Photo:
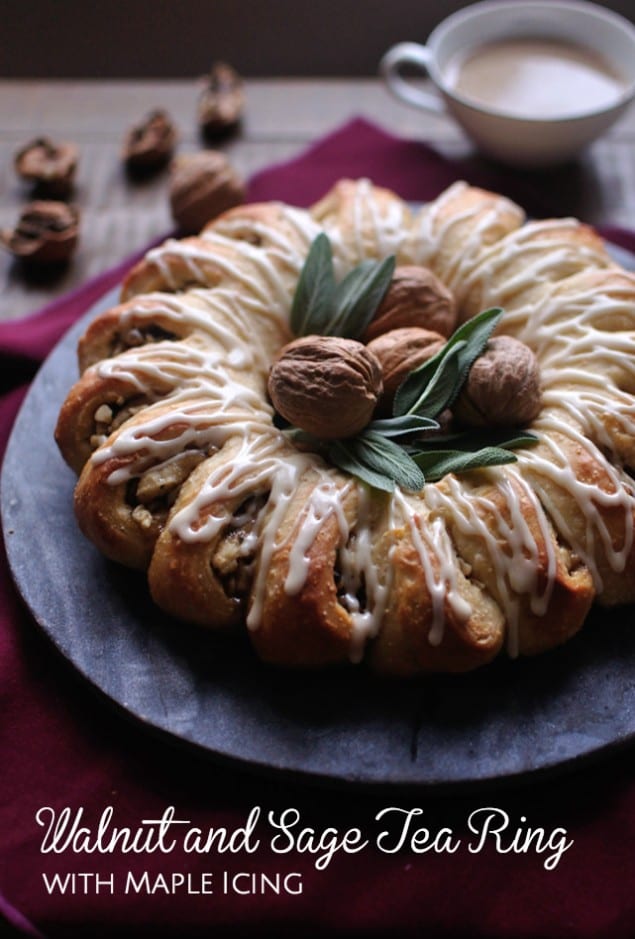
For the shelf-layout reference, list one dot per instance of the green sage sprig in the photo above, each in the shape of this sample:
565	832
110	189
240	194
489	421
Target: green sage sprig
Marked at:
322	307
436	384
407	449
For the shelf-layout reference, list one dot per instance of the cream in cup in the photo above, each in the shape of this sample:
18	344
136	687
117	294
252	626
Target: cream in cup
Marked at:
531	83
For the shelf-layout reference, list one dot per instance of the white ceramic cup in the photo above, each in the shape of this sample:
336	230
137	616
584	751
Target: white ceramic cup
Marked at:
516	140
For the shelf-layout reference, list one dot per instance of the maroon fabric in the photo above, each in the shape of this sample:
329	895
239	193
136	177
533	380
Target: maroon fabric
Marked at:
62	746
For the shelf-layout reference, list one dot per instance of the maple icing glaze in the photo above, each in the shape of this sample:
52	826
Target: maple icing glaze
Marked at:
207	391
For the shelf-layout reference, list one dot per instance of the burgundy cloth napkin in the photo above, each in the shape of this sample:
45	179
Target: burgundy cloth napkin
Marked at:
61	746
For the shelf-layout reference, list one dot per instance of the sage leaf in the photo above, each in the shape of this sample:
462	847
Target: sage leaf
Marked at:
462	348
387	458
304	438
476	439
438	463
340	454
438	387
476	333
404	425
357	297
312	304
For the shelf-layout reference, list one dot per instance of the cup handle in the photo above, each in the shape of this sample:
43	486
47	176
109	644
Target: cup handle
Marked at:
409	53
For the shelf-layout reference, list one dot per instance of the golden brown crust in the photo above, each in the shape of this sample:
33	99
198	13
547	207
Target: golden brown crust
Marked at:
521	266
453	233
129	325
595	512
539	567
522	569
309	626
261	224
403	645
179	265
105	516
367	221
184	578
81	426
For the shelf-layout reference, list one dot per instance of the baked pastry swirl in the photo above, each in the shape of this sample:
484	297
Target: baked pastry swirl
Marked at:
182	471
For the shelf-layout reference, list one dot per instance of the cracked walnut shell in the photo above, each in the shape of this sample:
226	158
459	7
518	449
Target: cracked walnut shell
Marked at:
149	145
46	233
222	101
49	166
326	385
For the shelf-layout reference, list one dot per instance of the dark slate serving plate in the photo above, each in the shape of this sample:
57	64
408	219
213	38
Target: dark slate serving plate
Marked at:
502	722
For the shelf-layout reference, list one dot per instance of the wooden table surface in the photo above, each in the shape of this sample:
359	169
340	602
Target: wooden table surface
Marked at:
120	217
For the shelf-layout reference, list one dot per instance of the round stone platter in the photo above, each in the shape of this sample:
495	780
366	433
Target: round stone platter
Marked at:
502	722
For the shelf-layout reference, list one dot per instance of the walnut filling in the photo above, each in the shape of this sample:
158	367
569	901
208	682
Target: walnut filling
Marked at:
250	237
139	336
192	283
233	559
109	416
153	494
350	583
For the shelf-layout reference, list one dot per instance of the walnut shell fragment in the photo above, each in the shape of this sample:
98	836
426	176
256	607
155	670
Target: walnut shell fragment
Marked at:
148	146
326	385
46	233
222	102
203	185
49	166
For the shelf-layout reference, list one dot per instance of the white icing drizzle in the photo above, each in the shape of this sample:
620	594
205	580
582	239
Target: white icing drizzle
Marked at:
507	540
438	560
204	413
242	267
586	403
523	263
366	226
592	499
261	464
325	500
452	239
198	312
288	243
364	584
215	398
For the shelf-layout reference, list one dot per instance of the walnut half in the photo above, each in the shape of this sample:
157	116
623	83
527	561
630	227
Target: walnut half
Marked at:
46	233
222	101
48	165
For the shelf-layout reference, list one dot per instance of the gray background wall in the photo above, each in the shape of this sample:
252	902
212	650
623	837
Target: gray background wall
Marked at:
180	38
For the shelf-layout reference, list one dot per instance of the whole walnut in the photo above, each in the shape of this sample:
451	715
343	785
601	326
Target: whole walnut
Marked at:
202	185
399	352
415	297
326	385
502	387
